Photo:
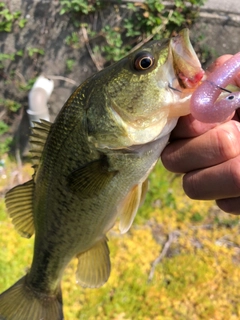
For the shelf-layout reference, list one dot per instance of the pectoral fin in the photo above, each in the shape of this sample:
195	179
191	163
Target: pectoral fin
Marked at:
129	207
19	205
90	179
94	266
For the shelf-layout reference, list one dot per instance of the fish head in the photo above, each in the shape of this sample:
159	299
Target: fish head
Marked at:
140	87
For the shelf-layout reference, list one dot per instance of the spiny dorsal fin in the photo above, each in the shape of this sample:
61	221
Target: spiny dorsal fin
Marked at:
20	208
94	266
38	138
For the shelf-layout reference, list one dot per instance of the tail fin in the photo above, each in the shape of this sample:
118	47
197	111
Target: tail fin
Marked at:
19	302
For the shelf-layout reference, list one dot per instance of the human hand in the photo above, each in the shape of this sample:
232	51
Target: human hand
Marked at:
209	156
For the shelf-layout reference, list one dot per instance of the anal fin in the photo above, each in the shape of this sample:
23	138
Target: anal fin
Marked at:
94	266
20	208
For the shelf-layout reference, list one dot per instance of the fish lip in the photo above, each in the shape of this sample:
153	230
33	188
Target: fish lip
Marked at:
187	66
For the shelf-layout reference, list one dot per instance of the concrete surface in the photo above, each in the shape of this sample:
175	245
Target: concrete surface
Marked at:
227	6
218	28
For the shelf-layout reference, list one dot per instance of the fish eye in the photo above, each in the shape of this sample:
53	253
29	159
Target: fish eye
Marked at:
230	97
143	61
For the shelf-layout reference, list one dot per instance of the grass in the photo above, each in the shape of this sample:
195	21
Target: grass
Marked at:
199	278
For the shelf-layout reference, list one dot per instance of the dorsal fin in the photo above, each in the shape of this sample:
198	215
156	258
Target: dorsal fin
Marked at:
38	138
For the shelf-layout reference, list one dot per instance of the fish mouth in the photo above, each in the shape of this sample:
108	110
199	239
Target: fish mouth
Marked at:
186	64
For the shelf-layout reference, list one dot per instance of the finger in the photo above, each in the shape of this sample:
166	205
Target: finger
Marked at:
237	115
231	205
214	147
218	62
188	127
218	182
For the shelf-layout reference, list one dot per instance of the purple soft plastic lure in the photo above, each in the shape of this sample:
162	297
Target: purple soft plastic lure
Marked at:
204	105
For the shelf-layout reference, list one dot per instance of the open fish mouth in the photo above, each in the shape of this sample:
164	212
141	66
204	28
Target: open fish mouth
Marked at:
186	64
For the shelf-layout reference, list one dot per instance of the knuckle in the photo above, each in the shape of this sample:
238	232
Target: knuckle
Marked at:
235	173
227	141
171	158
167	158
190	186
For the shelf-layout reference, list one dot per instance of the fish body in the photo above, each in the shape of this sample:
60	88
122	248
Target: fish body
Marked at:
91	167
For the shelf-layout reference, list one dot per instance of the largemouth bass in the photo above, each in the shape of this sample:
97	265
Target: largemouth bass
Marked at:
91	167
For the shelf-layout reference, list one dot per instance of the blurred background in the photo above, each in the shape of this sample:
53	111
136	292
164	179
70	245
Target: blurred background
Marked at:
181	258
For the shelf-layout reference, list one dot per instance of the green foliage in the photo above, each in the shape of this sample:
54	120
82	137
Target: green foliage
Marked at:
158	186
70	64
35	51
155	19
8	18
4	142
73	40
9	56
10	105
197	217
114	49
5	145
27	86
227	222
3	127
79	6
4	57
143	21
22	23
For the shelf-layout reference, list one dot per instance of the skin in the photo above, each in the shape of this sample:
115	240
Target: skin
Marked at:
209	156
